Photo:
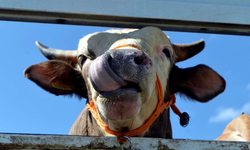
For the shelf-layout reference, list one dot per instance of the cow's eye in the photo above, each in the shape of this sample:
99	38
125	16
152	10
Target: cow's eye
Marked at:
81	59
168	54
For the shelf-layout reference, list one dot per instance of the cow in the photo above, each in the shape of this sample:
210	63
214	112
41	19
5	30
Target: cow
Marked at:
237	130
123	74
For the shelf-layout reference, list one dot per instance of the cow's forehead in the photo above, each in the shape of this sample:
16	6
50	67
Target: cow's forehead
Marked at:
97	43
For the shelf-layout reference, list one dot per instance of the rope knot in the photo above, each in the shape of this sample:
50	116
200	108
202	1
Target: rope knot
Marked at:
184	117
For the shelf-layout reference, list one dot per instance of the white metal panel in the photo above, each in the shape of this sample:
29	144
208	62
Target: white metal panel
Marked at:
28	141
213	16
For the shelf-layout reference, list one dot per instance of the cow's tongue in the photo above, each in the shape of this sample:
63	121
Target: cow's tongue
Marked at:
102	77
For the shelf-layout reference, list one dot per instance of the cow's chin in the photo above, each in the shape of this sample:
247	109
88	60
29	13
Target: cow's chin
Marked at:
119	105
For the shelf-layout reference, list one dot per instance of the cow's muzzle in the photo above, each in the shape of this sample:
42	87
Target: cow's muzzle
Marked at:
118	68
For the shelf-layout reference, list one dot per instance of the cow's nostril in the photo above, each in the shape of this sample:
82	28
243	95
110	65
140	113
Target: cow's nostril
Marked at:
140	59
112	63
109	59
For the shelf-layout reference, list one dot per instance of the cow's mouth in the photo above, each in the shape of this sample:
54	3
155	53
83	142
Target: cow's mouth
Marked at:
119	105
129	86
132	85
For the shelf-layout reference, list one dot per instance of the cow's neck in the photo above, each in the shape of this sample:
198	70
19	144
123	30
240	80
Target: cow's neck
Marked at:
161	128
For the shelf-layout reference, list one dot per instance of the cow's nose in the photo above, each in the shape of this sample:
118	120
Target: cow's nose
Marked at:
115	68
127	58
128	64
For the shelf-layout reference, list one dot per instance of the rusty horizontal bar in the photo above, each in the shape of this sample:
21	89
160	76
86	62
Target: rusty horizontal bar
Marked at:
29	141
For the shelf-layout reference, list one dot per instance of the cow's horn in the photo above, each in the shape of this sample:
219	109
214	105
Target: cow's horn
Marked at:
186	51
51	53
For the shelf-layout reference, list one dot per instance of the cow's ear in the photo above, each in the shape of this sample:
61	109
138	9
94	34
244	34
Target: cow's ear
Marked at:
57	77
200	82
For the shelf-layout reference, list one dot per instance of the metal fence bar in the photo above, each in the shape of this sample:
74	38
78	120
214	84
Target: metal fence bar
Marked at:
29	141
211	16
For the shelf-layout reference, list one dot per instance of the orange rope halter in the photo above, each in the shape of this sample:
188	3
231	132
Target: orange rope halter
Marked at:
133	46
161	106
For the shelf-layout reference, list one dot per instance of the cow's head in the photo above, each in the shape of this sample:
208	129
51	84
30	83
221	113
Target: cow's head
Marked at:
117	71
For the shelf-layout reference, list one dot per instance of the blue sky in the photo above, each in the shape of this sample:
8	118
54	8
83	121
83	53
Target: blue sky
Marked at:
26	108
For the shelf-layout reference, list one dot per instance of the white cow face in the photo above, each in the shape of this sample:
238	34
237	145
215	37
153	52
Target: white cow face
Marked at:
117	70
